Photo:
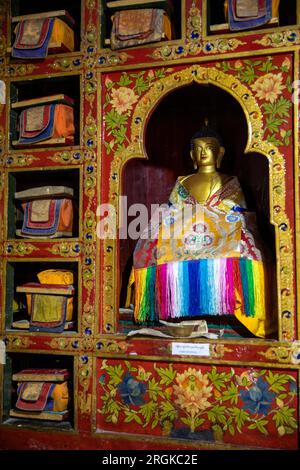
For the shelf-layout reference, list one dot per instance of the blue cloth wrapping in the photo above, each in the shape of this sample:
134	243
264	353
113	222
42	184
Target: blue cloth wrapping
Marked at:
51	230
46	133
34	52
235	25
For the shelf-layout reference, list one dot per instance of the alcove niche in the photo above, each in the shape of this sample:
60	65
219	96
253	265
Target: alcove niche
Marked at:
168	131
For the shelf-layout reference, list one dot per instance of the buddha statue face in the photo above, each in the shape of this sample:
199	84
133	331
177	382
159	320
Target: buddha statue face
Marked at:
206	151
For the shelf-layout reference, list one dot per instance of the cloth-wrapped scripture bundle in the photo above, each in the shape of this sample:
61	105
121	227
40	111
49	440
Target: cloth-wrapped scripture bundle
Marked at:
46	120
249	14
135	27
50	303
48	212
42	394
38	34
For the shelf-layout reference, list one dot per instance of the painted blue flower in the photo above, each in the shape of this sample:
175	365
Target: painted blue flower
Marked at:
258	399
132	391
293	386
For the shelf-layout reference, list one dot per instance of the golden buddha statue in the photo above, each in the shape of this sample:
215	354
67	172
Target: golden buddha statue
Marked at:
211	263
206	154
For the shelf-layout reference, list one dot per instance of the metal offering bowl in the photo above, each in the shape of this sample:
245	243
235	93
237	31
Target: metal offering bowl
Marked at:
182	329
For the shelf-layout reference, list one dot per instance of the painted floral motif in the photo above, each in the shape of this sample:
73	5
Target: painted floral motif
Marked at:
280	39
198	403
192	394
132	392
272	86
258	399
123	99
268	87
120	99
269	81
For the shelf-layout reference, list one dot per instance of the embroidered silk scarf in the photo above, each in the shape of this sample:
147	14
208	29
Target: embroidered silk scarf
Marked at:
200	259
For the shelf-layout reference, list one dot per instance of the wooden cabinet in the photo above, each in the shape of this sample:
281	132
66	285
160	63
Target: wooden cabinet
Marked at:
135	111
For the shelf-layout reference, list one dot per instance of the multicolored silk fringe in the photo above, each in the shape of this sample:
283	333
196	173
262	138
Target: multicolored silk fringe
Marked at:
200	287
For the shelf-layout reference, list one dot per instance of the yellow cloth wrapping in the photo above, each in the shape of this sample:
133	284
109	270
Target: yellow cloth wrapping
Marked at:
60	394
60	397
62	33
55	276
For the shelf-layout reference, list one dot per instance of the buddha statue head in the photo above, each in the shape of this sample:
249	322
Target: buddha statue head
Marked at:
206	148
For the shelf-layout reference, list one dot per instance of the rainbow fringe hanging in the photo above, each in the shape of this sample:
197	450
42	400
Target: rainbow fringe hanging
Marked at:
200	287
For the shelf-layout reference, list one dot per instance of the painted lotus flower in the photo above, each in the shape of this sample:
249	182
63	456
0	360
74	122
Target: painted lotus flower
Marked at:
193	391
258	399
123	99
268	87
132	392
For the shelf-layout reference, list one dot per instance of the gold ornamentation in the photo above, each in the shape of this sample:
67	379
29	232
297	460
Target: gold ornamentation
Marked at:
218	46
85	402
2	45
90	131
63	344
19	248
88	316
280	39
67	156
89	156
1	187
88	277
19	342
63	64
114	347
89	225
90	181
87	343
284	354
113	58
85	369
21	70
90	37
90	4
2	136
65	249
90	87
20	160
256	142
85	372
218	350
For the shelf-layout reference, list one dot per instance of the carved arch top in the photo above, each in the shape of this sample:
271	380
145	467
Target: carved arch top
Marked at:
255	143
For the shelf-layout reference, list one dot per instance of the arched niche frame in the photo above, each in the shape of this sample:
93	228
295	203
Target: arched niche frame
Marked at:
255	143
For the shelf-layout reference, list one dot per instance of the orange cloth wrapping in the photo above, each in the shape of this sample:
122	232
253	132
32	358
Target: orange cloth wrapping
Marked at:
41	123
40	210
